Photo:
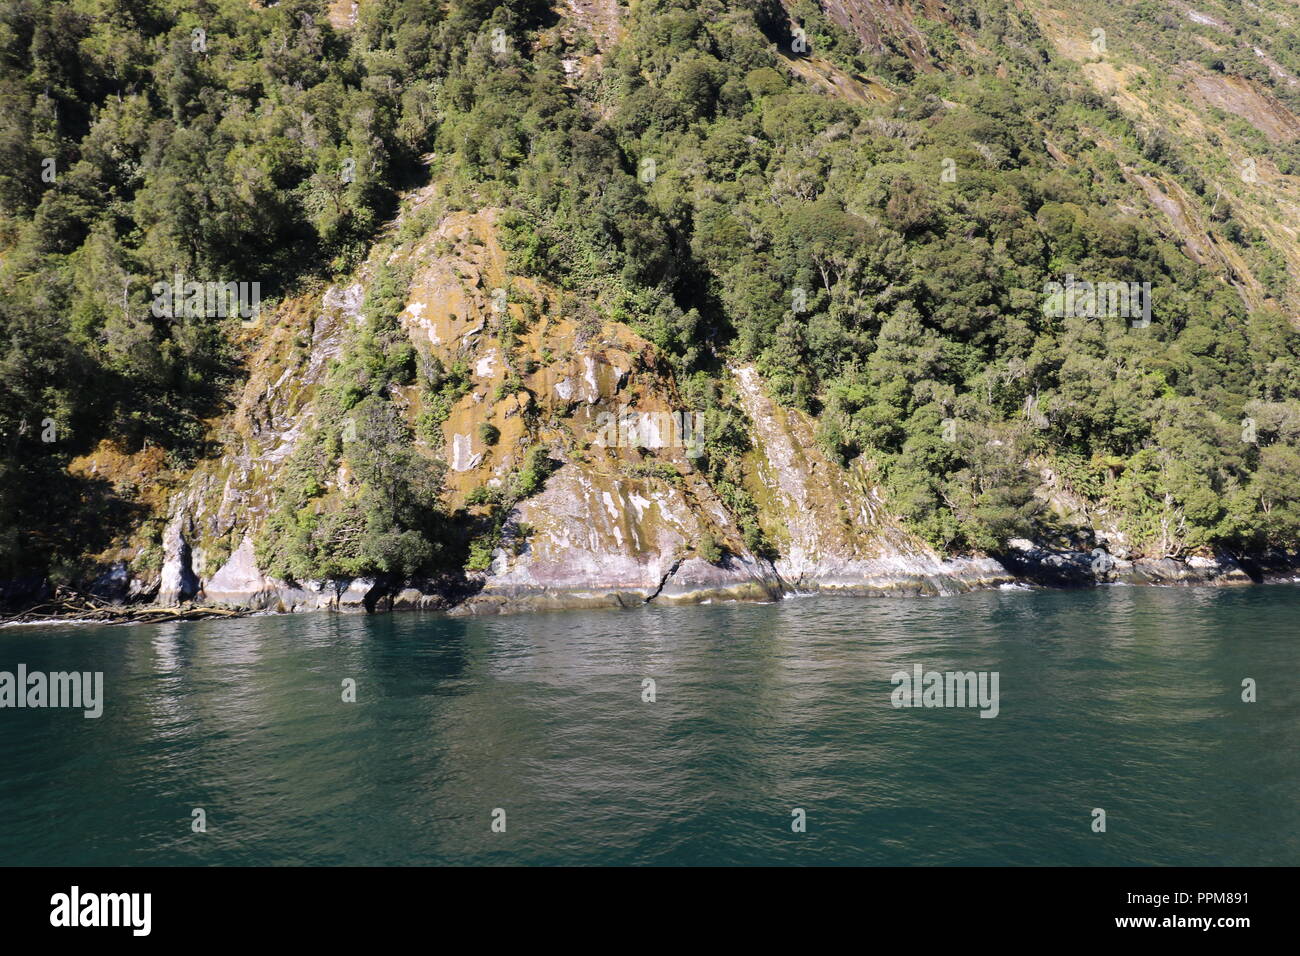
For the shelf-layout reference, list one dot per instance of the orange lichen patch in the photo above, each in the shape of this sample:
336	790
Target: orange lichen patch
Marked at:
278	348
132	474
536	374
140	480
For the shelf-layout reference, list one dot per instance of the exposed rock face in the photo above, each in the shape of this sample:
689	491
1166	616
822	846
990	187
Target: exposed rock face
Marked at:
240	582
1192	105
872	23
625	522
742	578
178	580
830	523
1240	97
604	540
594	548
625	517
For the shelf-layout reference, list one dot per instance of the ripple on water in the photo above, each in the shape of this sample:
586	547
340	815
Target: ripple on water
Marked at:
1126	699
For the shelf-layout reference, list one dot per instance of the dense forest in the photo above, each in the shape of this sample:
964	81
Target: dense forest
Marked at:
881	260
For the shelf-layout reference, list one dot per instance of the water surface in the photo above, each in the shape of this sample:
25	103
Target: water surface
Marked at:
1126	699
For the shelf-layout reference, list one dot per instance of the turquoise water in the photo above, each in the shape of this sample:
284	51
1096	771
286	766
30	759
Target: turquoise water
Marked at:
1125	699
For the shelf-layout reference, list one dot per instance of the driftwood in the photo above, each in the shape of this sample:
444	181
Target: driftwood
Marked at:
67	604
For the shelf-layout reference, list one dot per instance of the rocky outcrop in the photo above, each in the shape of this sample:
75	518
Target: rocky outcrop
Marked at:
239	582
625	517
829	522
885	27
1039	565
179	582
630	521
600	538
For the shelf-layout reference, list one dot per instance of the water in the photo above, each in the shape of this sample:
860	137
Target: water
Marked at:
1126	699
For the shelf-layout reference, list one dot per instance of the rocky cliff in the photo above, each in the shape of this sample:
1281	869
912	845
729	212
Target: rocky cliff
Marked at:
625	518
622	519
628	511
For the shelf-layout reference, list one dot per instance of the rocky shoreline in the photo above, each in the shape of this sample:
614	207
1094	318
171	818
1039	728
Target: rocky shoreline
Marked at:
239	589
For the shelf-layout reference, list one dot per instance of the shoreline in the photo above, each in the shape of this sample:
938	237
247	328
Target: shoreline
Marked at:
368	596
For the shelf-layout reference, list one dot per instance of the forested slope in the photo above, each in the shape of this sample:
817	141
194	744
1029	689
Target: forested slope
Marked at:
825	246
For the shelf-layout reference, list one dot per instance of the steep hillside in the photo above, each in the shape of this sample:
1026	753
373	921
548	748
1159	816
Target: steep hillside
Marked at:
588	304
624	517
1206	86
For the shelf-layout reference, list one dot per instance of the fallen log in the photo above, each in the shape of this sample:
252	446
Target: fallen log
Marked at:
68	604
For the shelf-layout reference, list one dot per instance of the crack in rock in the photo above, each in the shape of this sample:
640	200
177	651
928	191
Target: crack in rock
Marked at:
671	571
